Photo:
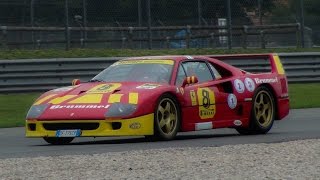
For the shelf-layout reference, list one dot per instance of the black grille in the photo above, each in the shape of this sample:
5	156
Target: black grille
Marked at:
62	126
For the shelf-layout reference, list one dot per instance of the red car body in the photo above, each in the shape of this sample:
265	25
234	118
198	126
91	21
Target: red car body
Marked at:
224	102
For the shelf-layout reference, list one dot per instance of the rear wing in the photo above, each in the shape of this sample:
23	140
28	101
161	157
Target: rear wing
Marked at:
253	63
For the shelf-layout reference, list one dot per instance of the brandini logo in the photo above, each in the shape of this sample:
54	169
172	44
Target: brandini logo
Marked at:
259	81
79	106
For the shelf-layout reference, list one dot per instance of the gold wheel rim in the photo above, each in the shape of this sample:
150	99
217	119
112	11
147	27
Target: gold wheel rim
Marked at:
263	108
167	116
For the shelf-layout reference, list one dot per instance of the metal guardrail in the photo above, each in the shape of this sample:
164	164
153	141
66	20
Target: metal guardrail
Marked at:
34	75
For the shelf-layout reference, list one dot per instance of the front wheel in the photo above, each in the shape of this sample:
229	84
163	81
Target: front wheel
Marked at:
58	140
262	113
166	118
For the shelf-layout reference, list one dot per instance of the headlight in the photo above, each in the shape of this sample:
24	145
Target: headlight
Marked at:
120	109
36	110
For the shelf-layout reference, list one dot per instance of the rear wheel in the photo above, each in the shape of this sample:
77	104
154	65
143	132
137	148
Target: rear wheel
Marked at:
262	113
58	140
166	118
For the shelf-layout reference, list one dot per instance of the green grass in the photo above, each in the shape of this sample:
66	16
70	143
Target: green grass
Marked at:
14	107
304	95
53	53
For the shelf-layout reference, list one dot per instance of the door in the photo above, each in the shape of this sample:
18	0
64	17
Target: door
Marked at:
206	102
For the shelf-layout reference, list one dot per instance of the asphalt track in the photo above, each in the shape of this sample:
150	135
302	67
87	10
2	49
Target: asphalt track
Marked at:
300	124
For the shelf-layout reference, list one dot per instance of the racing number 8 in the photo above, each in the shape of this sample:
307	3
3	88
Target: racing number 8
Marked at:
205	99
105	87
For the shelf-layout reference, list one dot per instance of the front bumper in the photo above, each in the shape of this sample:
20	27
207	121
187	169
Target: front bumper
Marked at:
142	125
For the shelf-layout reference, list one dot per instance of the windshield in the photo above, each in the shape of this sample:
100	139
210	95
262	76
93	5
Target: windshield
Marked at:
158	71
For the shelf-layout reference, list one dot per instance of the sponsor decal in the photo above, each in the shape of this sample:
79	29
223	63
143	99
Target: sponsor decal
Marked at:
204	125
182	90
193	98
207	107
189	57
271	80
104	88
64	88
177	90
232	101
237	122
148	86
79	106
135	125
249	83
247	99
238	85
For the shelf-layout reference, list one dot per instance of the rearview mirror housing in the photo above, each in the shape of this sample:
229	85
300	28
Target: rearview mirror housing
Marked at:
75	82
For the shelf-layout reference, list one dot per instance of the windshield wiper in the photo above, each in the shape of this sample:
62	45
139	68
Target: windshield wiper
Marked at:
95	80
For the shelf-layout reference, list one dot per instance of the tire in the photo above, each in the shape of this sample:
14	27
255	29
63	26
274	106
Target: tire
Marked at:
262	113
58	141
166	119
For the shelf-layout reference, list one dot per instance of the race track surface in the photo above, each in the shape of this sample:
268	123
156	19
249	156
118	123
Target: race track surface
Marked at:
300	124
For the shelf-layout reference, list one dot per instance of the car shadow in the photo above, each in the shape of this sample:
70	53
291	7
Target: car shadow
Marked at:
129	140
179	137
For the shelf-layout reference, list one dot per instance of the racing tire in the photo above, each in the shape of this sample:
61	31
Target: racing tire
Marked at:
58	140
166	119
262	113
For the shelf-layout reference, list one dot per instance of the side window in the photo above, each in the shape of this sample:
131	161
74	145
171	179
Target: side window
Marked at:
199	69
180	76
215	72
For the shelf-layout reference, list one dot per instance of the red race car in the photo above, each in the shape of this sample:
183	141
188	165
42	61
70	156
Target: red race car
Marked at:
159	96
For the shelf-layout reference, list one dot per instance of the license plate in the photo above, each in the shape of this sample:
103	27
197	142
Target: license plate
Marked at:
68	133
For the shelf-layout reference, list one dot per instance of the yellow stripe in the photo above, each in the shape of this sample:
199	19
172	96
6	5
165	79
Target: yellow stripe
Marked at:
87	98
133	98
44	99
59	100
279	66
113	98
169	62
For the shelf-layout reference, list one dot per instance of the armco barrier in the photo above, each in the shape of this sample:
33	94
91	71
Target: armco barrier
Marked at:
32	75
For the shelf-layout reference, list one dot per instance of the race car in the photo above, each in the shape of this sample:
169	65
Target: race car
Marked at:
158	96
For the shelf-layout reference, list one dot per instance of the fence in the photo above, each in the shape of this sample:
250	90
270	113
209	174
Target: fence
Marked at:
44	74
69	15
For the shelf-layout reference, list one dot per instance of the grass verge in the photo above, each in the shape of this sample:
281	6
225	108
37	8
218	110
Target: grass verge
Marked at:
80	53
14	107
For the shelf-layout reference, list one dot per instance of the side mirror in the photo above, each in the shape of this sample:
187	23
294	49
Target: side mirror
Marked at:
189	80
75	82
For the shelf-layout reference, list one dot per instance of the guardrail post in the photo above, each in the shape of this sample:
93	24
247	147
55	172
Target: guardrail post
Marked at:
4	37
244	37
123	42
298	35
212	41
168	42
38	44
130	37
81	43
262	39
188	36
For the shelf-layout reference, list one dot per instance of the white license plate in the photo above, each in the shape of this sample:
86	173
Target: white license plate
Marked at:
68	133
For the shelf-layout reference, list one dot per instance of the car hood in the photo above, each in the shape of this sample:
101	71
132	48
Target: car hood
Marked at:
91	101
